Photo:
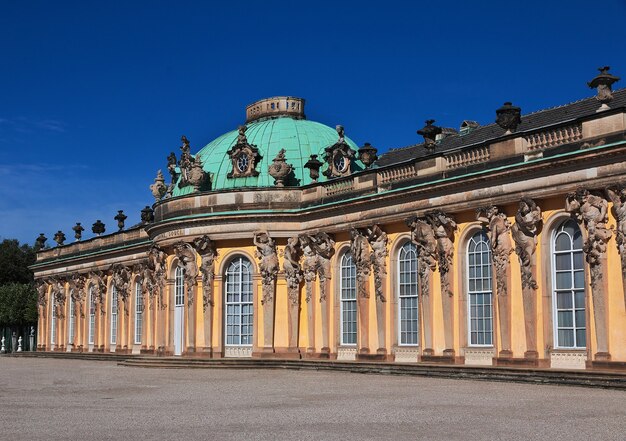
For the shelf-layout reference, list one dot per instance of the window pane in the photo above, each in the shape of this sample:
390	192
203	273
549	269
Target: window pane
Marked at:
564	280
563	261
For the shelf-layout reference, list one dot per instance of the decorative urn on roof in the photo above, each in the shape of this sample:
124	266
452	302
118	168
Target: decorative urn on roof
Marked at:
509	117
40	242
59	237
279	169
78	231
120	218
147	215
603	83
368	154
98	227
430	132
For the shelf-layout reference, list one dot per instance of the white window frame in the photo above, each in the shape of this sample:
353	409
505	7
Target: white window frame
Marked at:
92	316
347	296
179	287
113	339
470	293
407	249
139	307
72	324
238	267
53	322
555	310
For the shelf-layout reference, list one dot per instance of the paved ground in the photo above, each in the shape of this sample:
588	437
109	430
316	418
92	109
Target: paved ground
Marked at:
48	399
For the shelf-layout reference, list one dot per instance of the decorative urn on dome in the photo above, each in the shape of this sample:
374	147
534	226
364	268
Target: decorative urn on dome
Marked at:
158	188
314	165
279	169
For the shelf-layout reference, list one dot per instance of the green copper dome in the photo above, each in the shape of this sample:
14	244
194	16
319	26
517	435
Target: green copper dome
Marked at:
299	137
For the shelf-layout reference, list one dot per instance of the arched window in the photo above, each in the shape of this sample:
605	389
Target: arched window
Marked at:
347	303
407	295
479	290
92	315
138	313
568	284
113	315
238	303
53	322
72	323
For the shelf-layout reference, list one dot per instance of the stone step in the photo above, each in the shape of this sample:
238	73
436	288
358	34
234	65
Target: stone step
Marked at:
524	375
595	378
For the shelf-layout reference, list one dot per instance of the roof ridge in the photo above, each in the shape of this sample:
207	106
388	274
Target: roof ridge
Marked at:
481	126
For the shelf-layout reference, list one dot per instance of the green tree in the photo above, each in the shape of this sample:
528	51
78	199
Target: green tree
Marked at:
18	304
14	262
18	297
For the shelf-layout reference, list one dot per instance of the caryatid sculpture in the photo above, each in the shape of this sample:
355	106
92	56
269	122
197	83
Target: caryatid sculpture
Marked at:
77	291
58	292
268	265
498	228
98	280
444	228
293	276
157	259
207	250
41	285
156	266
187	261
617	195
318	249
591	210
120	279
360	250
426	247
525	231
378	241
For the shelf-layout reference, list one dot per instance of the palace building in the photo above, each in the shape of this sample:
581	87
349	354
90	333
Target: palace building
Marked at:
497	244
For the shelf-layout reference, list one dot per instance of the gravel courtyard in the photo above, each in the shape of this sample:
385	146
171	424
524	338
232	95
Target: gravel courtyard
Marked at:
51	399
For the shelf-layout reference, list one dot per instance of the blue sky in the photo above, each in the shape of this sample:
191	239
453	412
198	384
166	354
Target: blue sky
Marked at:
94	95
